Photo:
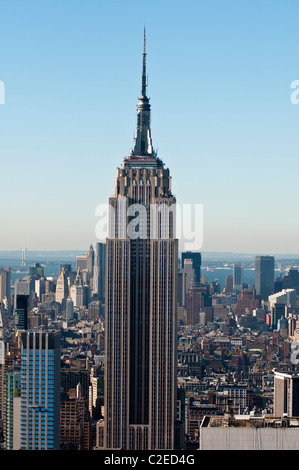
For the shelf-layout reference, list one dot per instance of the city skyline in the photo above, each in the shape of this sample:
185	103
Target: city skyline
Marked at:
220	86
154	328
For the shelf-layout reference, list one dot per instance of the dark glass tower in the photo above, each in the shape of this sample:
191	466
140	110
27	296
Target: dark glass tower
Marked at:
264	276
196	263
141	299
21	311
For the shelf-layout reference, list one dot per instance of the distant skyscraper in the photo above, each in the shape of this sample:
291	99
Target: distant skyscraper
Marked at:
291	280
99	271
81	262
13	409
188	270
69	273
141	302
40	390
76	291
21	311
238	277
40	287
24	286
90	260
69	308
5	279
195	257
229	284
62	288
264	276
67	268
182	289
278	311
37	270
199	301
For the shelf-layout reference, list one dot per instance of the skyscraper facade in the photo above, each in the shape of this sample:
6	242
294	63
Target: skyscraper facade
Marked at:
141	299
264	276
237	278
21	311
62	288
12	409
199	301
195	257
99	271
5	279
40	390
90	259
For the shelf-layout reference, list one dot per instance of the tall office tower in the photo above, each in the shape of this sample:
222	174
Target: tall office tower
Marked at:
229	284
291	280
69	309
13	409
76	291
68	271
189	273
278	311
81	262
90	260
286	394
99	271
199	301
24	286
278	284
182	289
5	294
8	355
40	390
141	299
237	277
195	257
67	268
62	288
40	287
264	276
21	311
36	270
96	391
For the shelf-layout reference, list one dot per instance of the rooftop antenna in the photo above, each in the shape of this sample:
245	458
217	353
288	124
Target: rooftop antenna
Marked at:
144	76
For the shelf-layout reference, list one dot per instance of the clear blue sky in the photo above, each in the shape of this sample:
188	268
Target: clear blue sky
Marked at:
222	120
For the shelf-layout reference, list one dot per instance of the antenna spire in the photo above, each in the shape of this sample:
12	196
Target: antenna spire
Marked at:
144	80
143	141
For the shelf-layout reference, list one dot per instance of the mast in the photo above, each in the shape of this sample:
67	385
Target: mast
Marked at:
143	142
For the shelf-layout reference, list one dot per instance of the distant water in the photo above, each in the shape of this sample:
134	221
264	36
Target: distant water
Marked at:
220	275
50	260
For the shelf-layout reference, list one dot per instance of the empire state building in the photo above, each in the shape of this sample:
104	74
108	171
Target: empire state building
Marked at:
141	298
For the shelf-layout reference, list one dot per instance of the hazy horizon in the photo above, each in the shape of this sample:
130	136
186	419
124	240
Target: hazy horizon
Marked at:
219	82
